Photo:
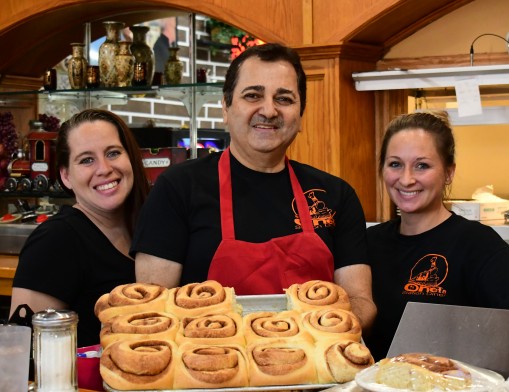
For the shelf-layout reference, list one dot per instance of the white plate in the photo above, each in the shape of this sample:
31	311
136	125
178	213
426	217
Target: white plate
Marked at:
483	380
14	218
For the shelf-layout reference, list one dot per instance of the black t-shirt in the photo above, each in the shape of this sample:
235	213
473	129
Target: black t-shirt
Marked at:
69	258
459	262
180	220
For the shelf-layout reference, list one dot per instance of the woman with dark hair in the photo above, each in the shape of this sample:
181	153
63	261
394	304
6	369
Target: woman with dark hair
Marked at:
73	258
428	254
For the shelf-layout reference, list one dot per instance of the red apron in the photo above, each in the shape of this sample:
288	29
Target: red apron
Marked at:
268	267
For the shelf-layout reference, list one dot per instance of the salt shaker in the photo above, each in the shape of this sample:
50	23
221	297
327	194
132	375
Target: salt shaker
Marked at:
55	348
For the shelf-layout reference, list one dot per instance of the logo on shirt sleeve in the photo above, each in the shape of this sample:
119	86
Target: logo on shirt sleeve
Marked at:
321	215
427	276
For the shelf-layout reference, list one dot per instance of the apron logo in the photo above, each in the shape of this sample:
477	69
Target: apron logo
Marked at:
321	216
427	275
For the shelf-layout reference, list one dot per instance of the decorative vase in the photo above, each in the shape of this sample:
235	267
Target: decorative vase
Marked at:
173	67
107	52
77	67
124	64
142	51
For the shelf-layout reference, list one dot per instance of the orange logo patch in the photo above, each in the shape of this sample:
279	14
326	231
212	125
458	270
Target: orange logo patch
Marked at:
320	214
427	275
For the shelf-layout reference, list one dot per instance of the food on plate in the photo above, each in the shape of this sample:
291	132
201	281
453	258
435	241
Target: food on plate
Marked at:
133	365
211	366
281	363
198	299
339	361
7	218
141	326
274	325
131	298
212	329
332	324
316	294
422	372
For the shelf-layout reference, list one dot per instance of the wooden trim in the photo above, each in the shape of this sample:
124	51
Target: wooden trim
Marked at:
388	104
460	60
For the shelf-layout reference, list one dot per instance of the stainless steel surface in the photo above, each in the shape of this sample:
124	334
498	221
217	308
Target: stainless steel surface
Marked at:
13	237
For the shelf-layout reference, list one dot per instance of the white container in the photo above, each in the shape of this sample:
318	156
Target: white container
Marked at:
478	210
14	357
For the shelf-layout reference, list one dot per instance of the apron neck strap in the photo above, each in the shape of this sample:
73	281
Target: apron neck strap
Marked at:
226	198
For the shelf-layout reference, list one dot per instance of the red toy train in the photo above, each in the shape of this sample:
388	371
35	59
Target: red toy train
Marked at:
38	173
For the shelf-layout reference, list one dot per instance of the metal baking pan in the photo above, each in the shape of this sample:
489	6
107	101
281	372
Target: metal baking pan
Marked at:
270	303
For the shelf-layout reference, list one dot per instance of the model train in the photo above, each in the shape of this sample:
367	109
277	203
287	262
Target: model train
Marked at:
38	172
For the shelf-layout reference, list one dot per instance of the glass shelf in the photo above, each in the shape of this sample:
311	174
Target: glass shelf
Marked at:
96	97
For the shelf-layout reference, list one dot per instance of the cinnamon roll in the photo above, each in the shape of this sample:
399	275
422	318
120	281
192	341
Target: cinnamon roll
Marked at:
316	294
340	361
139	364
198	299
274	325
332	324
131	298
422	372
141	326
211	366
212	329
281	363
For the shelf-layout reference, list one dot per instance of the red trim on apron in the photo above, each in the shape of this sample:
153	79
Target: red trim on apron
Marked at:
267	267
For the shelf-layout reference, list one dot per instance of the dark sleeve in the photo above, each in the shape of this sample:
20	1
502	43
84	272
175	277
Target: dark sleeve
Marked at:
47	264
488	269
350	245
162	228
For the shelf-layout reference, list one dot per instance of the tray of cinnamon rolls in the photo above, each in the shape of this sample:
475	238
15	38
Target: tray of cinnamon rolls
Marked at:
203	336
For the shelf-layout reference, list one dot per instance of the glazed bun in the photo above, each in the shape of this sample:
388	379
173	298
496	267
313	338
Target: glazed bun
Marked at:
198	299
339	361
280	362
139	364
211	329
422	372
131	298
211	366
336	324
316	294
143	325
265	326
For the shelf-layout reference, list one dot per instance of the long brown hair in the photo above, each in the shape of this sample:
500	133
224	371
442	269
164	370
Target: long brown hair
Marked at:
140	188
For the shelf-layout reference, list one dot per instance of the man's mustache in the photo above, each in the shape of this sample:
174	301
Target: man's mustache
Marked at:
261	120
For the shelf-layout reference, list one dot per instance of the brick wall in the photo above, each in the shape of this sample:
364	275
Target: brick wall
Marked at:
167	112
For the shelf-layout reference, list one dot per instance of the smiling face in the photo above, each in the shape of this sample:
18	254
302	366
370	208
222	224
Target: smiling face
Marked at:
413	172
264	116
99	172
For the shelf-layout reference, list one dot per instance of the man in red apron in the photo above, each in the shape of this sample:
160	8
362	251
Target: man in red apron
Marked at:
223	219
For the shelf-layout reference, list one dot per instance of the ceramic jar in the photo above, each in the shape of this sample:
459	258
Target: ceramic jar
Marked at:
142	52
173	67
107	52
124	64
77	67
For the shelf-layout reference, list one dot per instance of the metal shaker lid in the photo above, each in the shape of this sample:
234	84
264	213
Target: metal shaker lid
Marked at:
57	318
